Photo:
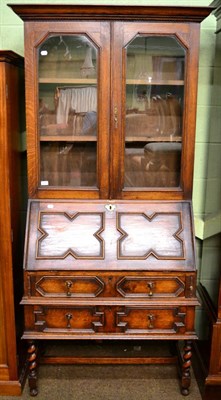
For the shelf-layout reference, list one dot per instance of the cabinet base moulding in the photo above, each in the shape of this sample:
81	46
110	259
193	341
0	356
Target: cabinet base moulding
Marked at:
10	388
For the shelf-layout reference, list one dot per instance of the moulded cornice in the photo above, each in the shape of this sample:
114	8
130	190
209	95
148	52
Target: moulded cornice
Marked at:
41	12
11	57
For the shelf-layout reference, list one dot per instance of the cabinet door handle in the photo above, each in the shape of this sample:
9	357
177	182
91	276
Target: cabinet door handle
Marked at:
150	286
151	319
68	285
69	317
115	117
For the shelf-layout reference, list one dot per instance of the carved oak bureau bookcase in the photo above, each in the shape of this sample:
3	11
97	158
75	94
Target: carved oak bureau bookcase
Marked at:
111	104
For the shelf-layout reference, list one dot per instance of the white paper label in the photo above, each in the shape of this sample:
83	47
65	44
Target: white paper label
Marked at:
44	183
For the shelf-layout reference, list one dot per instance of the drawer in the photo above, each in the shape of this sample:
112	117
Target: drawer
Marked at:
106	284
67	319
68	286
152	319
115	320
151	286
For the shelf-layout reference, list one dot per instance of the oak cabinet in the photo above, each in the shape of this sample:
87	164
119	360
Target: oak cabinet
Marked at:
11	106
111	104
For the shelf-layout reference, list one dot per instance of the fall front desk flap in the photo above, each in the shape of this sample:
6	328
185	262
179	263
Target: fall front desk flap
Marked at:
109	235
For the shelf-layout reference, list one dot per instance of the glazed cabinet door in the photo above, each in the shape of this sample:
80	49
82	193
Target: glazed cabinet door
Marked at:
153	109
111	109
68	89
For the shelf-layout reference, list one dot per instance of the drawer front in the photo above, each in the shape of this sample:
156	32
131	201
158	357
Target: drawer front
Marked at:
69	286
153	286
78	285
65	319
115	320
144	319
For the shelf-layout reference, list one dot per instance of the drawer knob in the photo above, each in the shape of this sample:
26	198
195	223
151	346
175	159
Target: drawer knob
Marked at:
150	286
151	319
69	317
68	285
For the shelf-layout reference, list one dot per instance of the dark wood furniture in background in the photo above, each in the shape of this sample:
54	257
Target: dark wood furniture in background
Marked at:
209	352
11	101
111	109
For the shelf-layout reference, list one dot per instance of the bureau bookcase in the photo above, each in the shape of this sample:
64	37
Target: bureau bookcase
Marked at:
111	104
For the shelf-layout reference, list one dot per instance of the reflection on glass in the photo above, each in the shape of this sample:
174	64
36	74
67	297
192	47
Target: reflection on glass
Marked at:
154	111
68	164
68	111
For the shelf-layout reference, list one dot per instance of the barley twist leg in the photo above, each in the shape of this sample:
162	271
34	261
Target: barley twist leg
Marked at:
32	375
186	378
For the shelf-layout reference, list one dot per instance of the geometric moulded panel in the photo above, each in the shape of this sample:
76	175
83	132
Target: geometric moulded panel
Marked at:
156	235
69	286
154	286
146	319
63	234
76	319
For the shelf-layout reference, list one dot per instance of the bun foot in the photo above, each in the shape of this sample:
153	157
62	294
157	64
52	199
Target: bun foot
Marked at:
185	391
33	392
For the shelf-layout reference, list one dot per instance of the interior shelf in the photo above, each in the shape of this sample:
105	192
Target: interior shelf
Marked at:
164	82
67	138
90	138
153	139
68	81
84	81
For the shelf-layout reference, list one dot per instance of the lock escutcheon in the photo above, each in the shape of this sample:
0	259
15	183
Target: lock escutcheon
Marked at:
69	317
110	207
150	319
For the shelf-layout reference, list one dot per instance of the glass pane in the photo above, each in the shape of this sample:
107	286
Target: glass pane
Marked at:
68	164
154	112
68	111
